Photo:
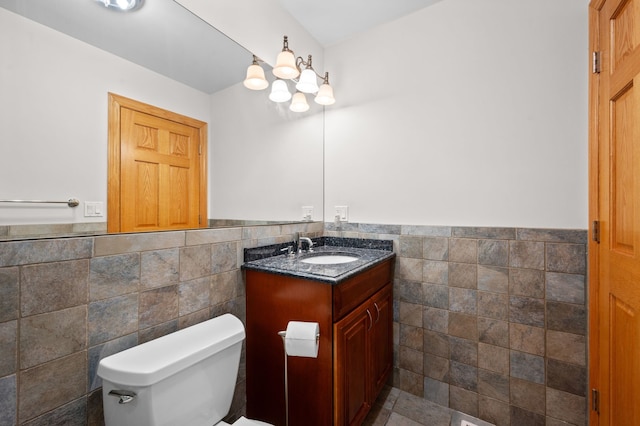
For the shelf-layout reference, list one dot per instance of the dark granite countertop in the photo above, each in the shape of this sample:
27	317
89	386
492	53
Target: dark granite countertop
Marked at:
292	265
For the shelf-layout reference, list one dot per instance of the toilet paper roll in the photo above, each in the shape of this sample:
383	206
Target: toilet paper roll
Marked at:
301	339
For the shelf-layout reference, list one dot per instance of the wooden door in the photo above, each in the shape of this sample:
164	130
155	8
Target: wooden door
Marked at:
157	172
615	203
351	367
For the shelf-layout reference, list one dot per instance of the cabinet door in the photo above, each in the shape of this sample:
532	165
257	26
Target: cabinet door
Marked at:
381	338
351	365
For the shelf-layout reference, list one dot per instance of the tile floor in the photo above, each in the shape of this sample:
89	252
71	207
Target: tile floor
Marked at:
397	408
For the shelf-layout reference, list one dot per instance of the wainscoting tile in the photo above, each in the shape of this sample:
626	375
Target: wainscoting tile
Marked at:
410	247
463	400
193	295
463	300
463	275
526	282
436	319
436	272
526	338
113	275
493	358
9	305
8	348
96	353
522	417
51	385
493	305
577	236
157	331
464	351
158	305
527	367
111	318
493	252
436	343
566	406
463	250
568	258
566	317
159	268
566	377
526	310
224	257
411	314
493	385
8	400
436	248
528	395
15	253
464	376
462	325
71	414
493	411
436	367
435	295
411	360
526	254
493	278
412	337
567	347
493	332
195	262
50	287
52	335
568	288
484	232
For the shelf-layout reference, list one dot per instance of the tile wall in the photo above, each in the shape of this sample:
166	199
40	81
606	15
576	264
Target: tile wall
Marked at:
65	303
490	321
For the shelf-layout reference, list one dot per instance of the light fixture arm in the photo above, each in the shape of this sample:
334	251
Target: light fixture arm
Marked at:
308	65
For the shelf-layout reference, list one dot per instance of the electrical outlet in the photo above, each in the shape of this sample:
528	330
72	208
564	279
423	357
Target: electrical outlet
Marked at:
467	423
307	213
342	213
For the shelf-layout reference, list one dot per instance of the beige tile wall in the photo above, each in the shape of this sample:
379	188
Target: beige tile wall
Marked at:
65	303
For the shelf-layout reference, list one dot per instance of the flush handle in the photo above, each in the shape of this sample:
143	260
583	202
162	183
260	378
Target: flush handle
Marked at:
124	395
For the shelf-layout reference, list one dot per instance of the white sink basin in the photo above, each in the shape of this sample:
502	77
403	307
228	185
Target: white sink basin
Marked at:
329	259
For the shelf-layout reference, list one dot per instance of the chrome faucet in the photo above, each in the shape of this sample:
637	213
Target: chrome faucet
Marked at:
306	240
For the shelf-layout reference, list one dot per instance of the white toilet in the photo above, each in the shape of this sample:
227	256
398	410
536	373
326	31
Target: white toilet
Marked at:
184	378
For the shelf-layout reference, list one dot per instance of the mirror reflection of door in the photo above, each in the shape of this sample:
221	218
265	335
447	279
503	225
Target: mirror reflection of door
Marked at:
157	169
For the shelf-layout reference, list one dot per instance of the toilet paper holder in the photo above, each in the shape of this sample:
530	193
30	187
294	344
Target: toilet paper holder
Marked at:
283	334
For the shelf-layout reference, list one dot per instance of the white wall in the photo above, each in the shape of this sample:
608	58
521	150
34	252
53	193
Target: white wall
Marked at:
468	113
267	160
53	117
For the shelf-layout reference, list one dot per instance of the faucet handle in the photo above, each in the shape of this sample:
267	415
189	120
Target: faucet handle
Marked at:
288	250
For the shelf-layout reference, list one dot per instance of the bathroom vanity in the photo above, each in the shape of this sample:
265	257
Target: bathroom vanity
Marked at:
353	304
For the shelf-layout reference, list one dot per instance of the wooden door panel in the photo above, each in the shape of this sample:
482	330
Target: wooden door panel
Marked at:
615	332
157	168
160	170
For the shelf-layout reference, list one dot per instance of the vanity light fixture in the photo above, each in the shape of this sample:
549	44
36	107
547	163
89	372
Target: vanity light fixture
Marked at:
122	5
288	67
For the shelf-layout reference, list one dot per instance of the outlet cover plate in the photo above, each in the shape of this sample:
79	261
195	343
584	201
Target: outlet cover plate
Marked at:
343	213
307	213
467	423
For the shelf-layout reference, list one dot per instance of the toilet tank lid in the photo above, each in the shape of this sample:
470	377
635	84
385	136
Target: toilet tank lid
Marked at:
150	362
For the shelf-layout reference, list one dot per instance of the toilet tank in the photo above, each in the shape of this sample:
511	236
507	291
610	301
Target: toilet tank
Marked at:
184	378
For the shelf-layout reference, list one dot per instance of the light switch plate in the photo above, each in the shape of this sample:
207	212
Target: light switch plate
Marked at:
93	209
467	423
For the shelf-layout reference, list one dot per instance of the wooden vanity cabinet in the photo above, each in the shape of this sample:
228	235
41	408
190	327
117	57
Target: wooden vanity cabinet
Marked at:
363	357
355	355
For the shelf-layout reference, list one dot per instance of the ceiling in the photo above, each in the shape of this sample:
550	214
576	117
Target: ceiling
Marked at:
168	39
333	21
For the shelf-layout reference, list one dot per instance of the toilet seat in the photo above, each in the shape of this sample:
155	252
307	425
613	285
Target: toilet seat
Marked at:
243	421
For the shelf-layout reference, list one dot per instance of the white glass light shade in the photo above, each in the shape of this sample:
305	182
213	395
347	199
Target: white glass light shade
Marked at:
325	95
307	82
255	78
123	5
279	91
286	66
299	103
